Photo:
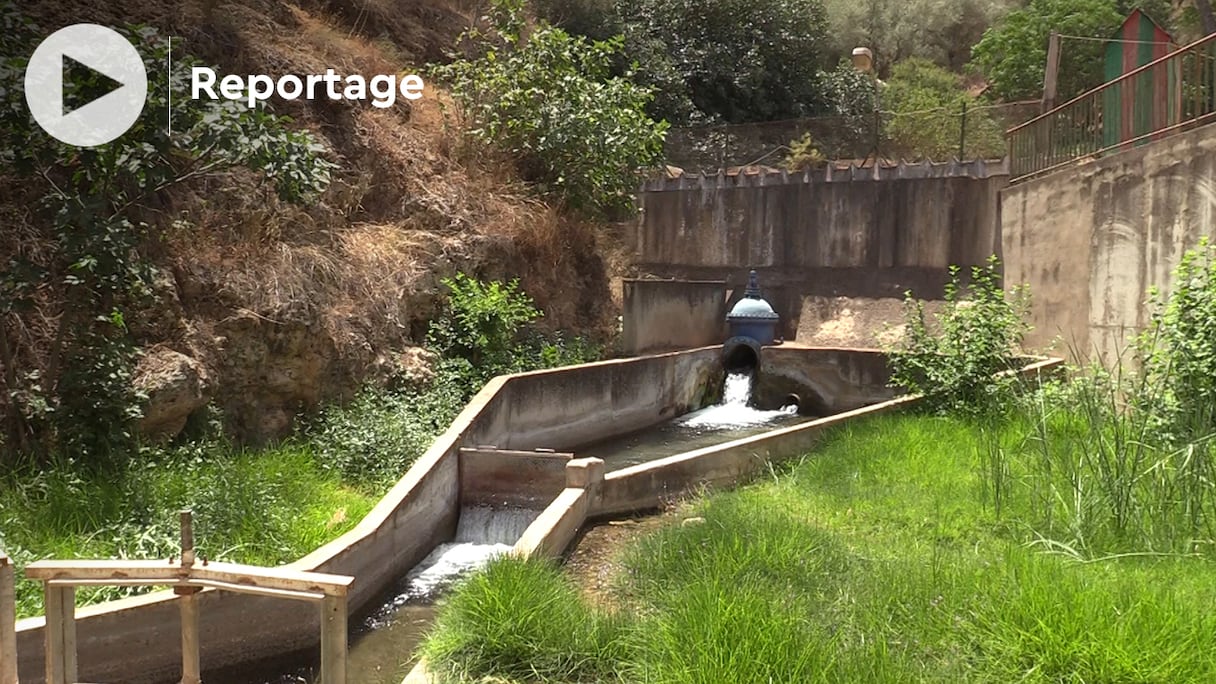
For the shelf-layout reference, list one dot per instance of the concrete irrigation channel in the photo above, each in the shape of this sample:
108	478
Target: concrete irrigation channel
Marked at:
509	474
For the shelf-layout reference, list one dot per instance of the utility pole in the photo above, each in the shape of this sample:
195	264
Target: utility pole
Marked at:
1207	20
1052	72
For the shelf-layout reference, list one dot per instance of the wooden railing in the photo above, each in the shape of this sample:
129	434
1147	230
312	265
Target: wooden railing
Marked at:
187	576
1168	95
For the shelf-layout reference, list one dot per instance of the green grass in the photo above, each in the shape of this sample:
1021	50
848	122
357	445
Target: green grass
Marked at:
265	508
879	558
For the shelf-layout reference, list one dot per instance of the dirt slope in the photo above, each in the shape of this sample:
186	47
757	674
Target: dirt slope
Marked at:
268	309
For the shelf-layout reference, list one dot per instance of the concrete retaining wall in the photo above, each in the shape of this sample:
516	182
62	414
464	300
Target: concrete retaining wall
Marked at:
1091	240
810	235
136	640
661	315
826	380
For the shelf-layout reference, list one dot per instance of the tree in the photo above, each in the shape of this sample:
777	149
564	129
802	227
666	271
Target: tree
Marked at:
549	99
925	104
939	30
733	60
1013	54
1207	19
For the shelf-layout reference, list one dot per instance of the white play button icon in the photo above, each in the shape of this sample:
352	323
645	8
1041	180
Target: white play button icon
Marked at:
104	51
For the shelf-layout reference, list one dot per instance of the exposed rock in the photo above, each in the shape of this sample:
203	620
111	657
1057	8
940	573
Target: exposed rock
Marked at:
175	384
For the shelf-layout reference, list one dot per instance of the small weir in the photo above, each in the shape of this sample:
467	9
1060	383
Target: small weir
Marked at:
733	418
383	643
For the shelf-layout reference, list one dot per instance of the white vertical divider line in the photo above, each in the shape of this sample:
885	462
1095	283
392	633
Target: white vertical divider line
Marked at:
169	84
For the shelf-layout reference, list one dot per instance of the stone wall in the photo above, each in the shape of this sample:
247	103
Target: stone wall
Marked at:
1091	239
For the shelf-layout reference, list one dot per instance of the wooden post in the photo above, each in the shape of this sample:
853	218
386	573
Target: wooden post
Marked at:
333	640
60	606
1052	72
8	622
191	662
188	601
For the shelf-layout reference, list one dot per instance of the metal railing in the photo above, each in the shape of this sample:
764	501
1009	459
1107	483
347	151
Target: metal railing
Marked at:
1168	95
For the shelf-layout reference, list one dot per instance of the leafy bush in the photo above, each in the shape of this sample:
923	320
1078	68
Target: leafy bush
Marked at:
549	99
956	367
371	441
1178	350
803	154
484	331
927	105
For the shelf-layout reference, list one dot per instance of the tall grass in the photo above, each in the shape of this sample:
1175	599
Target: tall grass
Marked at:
873	560
530	625
1093	473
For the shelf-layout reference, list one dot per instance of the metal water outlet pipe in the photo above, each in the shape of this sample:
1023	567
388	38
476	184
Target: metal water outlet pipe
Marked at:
753	324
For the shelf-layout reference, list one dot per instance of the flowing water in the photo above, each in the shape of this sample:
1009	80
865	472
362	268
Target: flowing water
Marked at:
731	419
383	643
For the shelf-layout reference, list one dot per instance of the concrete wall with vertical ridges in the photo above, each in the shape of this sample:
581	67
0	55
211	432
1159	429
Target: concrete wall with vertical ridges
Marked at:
861	233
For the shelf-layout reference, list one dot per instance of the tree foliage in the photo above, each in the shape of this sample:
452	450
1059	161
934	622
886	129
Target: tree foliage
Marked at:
1013	54
740	60
718	60
97	205
549	99
939	30
926	106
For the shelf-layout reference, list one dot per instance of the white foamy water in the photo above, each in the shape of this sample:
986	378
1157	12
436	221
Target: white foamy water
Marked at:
486	525
734	412
481	534
447	562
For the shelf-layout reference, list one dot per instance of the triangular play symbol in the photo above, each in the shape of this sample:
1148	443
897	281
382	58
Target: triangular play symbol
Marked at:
82	84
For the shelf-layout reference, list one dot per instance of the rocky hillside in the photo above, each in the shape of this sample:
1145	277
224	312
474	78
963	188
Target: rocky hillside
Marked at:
265	309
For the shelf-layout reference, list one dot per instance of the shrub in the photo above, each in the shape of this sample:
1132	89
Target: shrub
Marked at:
1178	350
803	154
547	98
956	367
485	331
927	105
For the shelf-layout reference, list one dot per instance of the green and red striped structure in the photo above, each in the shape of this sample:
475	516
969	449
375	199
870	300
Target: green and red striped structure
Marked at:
1148	101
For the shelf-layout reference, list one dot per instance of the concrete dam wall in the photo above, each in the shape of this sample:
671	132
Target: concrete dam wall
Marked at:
861	233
